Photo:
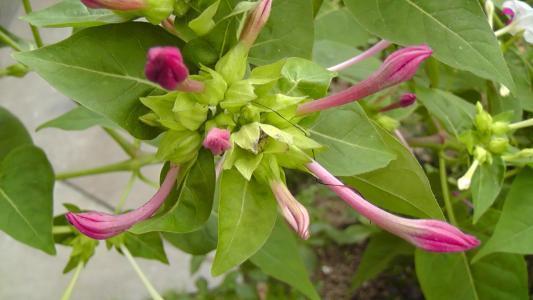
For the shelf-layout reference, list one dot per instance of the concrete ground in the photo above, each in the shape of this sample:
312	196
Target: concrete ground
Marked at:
29	274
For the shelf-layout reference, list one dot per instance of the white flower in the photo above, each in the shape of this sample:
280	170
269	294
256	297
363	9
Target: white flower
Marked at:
521	16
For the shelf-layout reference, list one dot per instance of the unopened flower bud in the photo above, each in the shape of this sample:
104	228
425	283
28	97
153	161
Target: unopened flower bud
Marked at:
100	226
483	119
500	128
255	22
165	66
504	91
498	145
294	213
405	100
121	5
388	123
217	141
399	67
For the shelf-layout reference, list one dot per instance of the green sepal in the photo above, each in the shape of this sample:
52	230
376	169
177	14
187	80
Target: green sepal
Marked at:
248	137
238	94
189	113
82	251
162	107
483	119
204	23
215	87
179	146
249	114
232	66
158	10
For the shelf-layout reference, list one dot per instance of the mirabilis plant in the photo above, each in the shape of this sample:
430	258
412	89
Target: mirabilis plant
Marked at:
237	110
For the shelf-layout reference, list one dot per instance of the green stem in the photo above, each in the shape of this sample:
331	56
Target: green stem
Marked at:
127	165
521	124
61	229
9	41
511	41
445	190
125	193
512	173
34	30
147	181
128	147
70	287
149	287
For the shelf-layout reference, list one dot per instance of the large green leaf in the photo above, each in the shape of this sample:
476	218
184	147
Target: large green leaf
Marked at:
280	258
148	245
402	186
353	145
12	133
72	13
199	242
456	114
246	215
457	31
381	250
288	32
26	197
449	276
102	68
520	69
193	203
514	230
79	118
486	185
327	25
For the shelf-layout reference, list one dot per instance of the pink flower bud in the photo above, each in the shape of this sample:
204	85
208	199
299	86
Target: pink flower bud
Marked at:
217	140
406	99
399	67
165	66
255	22
100	226
294	213
430	235
509	13
122	5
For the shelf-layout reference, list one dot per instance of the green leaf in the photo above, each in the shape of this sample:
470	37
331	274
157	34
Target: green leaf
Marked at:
26	197
148	245
456	30
301	77
402	186
456	114
486	185
280	258
520	69
288	33
327	26
72	13
247	213
199	242
13	133
449	276
204	22
381	250
513	232
353	144
79	118
191	206
82	250
102	68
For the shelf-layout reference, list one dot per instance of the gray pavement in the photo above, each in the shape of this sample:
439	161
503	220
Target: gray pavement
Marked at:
29	274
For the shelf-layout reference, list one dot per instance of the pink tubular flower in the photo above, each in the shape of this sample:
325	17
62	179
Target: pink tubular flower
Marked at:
406	99
122	5
293	212
100	226
255	22
399	67
165	66
378	47
430	235
217	140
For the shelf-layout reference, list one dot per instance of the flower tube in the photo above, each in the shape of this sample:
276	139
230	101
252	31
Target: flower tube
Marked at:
294	213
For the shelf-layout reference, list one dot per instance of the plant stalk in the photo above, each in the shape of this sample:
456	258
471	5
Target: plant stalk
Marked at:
127	165
35	32
149	287
72	283
445	190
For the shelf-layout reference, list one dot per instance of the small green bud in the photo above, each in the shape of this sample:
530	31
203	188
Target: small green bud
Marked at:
150	119
498	145
238	95
162	107
232	66
249	114
17	70
483	119
189	113
387	122
158	10
500	128
481	155
225	120
181	7
179	146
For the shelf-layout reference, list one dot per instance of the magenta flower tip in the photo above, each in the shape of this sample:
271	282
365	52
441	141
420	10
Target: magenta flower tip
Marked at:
509	13
293	211
165	66
217	140
402	65
256	21
407	99
123	5
439	236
